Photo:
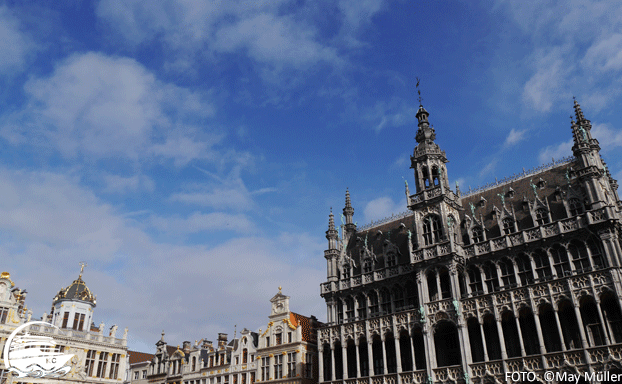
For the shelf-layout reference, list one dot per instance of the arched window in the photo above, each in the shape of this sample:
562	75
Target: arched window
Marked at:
362	308
339	305
507	273
560	260
385	301
597	257
508	226
345	270
478	234
580	258
412	299
435	177
398	298
490	274
431	229
575	206
444	280
543	264
426	177
349	309
525	272
542	216
373	303
367	266
475	280
447	344
391	260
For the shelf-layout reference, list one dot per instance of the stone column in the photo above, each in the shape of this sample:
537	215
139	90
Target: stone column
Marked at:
504	353
412	350
384	356
560	330
604	325
358	359
543	350
481	329
398	354
520	335
320	362
344	360
332	362
581	327
370	357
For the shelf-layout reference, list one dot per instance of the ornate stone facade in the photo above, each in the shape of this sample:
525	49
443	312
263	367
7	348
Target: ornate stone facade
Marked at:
522	275
99	357
284	353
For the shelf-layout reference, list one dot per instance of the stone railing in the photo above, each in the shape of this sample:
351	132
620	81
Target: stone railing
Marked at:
448	374
356	281
534	234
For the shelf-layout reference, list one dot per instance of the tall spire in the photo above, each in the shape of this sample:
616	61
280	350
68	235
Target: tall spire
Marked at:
332	234
577	111
348	212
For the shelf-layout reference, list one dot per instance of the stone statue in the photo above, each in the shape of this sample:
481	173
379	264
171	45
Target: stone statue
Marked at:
113	331
101	328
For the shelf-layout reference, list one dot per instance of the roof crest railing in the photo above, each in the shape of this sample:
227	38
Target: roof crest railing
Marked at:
518	176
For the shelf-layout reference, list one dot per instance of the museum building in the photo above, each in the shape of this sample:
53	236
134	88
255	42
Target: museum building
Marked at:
521	275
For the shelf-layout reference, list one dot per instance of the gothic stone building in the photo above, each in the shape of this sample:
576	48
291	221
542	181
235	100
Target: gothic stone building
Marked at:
523	275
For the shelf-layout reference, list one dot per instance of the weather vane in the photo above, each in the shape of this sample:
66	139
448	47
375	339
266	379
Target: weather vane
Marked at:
419	91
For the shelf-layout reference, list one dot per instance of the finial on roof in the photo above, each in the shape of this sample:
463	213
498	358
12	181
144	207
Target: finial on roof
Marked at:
162	336
419	92
279	289
82	265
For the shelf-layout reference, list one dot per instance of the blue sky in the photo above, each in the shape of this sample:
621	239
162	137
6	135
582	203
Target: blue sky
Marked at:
190	151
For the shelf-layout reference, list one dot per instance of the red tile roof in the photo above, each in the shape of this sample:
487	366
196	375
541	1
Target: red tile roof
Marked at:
139	357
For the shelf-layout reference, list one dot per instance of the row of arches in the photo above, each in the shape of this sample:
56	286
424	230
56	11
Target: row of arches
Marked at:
587	324
391	353
539	265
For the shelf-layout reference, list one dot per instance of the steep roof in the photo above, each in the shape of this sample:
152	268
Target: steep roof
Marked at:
139	357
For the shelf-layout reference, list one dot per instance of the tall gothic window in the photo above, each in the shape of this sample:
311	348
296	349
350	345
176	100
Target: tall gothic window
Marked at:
346	271
507	273
475	279
373	303
367	266
525	272
508	226
478	234
542	216
349	308
543	265
575	206
431	229
560	260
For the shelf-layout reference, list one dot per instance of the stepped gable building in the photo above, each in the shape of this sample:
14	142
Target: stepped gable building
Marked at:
285	353
523	275
99	357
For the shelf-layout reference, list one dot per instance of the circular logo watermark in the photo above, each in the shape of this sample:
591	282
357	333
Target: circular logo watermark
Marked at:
37	356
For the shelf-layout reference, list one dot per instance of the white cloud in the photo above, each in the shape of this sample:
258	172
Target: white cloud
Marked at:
381	208
120	184
395	113
545	86
15	46
514	137
274	39
204	222
563	34
488	168
108	107
606	54
608	137
555	152
49	222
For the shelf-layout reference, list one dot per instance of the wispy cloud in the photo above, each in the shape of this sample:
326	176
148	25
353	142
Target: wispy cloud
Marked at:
514	137
555	152
204	222
15	45
382	207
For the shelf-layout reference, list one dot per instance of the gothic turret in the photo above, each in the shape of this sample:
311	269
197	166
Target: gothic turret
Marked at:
348	212
428	160
332	253
589	166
